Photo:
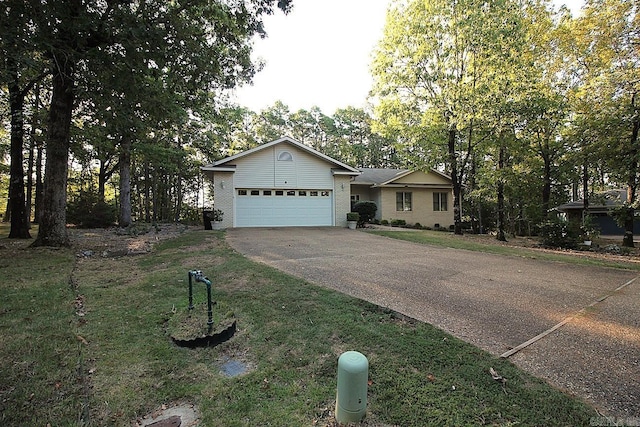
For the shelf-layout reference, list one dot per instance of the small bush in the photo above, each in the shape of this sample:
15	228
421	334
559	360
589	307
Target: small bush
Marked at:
367	211
559	233
384	222
87	211
398	222
353	216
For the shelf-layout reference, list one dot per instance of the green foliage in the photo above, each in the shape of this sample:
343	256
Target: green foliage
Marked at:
218	215
86	210
190	215
353	216
398	222
367	211
560	233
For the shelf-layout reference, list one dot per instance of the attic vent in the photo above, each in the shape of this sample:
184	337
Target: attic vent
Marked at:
285	156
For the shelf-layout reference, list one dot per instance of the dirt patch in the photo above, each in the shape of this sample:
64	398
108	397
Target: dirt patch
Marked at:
115	242
326	417
183	415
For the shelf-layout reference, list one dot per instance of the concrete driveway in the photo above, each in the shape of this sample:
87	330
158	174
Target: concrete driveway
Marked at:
494	302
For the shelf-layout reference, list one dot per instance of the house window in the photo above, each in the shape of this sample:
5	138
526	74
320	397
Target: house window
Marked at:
285	156
313	193
279	193
291	193
255	192
302	193
355	198
324	194
403	201
440	201
266	193
242	192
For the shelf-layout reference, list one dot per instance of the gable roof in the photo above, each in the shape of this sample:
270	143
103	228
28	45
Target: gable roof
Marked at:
378	176
602	201
223	164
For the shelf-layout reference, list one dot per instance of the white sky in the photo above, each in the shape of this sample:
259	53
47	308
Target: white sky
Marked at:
319	55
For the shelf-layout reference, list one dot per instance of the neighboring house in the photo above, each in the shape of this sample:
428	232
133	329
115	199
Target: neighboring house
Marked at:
280	184
413	196
600	207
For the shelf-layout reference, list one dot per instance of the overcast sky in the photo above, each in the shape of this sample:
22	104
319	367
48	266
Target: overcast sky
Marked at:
320	54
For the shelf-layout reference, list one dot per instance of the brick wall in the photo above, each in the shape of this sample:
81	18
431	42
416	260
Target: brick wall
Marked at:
223	196
342	199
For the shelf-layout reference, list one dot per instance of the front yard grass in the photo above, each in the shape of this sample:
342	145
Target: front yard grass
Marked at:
84	341
488	244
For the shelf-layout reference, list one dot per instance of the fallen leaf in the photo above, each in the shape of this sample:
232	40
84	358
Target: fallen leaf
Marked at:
82	340
431	378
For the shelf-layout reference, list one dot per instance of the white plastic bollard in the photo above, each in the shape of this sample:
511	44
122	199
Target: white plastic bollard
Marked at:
353	376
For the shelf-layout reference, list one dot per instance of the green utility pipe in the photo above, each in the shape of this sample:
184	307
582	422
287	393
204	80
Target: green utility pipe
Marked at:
353	377
199	277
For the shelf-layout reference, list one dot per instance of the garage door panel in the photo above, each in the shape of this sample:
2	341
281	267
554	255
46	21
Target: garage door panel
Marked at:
283	211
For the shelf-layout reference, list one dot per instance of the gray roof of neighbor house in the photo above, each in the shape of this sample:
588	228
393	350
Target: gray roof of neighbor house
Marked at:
375	176
379	176
601	201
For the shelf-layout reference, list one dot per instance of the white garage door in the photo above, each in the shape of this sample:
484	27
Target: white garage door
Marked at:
283	208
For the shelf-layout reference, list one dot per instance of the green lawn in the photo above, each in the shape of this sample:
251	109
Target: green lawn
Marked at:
472	243
85	341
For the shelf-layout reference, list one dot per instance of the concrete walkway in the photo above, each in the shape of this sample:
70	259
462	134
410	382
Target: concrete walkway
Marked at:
494	302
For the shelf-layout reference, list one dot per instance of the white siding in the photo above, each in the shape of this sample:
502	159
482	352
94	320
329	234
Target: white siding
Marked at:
313	172
262	170
255	171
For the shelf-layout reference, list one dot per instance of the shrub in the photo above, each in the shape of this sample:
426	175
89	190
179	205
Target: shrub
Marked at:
353	216
367	211
560	233
398	222
87	211
384	222
218	215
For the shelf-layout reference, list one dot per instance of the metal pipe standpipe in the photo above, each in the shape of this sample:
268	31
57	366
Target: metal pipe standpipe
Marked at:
353	376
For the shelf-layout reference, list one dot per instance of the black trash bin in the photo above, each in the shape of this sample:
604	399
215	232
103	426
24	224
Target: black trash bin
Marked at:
207	217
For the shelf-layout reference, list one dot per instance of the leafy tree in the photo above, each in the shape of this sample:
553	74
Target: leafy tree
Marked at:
605	39
272	123
20	69
439	69
198	46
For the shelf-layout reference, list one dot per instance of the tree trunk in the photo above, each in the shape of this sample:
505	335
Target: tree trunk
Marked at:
30	163
501	221
19	220
124	218
37	212
457	185
627	240
632	180
102	180
546	184
147	191
53	221
585	186
32	151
